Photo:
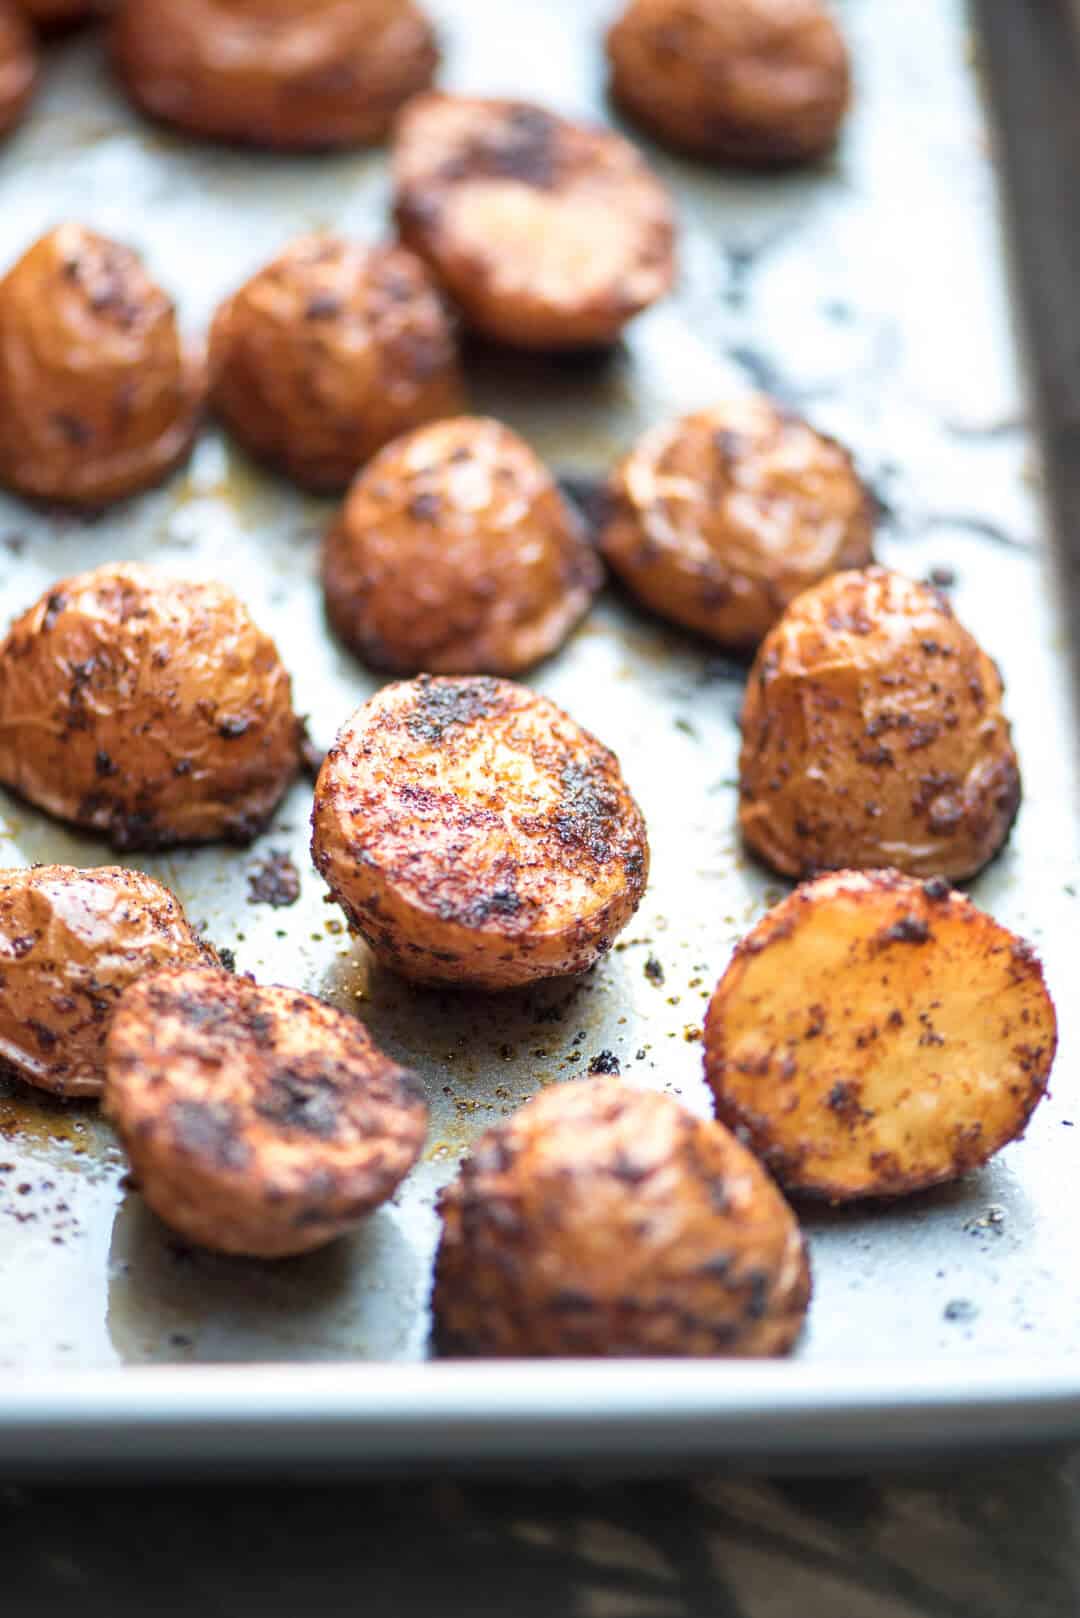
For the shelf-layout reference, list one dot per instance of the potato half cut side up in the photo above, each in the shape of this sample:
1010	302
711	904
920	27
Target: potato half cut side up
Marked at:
874	1035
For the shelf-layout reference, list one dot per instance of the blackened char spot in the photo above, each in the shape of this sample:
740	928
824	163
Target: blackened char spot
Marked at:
586	811
275	881
908	930
440	704
304	1097
210	1129
524	147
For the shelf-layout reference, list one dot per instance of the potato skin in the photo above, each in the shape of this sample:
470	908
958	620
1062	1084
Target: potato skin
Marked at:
147	708
258	1121
602	1220
547	234
71	942
718	520
455	553
288	74
873	735
18	67
475	835
98	397
874	1035
328	353
761	83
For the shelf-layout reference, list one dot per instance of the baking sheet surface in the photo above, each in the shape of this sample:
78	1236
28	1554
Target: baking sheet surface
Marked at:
871	296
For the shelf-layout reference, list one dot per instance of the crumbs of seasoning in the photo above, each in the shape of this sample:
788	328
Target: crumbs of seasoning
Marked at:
654	971
227	957
941	577
960	1309
605	1062
275	881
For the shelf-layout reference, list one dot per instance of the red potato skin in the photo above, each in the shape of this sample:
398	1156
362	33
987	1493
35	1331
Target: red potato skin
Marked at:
291	75
149	709
602	1220
123	416
71	941
874	735
18	68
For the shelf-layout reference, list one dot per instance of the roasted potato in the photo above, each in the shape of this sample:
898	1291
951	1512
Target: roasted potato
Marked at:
455	553
873	735
330	352
720	519
874	1035
292	74
762	83
70	943
605	1220
148	708
98	396
473	834
547	234
18	67
258	1121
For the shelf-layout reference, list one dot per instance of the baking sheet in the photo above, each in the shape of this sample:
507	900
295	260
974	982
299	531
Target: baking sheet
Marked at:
871	296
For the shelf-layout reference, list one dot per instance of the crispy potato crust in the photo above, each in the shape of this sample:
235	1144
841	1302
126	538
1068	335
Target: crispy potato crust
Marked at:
18	67
98	397
763	83
292	74
330	352
258	1121
456	553
601	1220
475	835
718	520
71	942
148	708
874	1035
873	735
548	234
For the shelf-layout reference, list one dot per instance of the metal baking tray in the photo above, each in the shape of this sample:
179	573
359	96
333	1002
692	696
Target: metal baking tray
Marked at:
870	295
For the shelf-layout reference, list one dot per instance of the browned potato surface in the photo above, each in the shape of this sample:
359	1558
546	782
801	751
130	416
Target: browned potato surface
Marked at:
456	553
875	1035
474	834
757	82
718	520
548	234
330	352
98	397
258	1121
148	708
71	942
602	1220
18	67
293	74
873	735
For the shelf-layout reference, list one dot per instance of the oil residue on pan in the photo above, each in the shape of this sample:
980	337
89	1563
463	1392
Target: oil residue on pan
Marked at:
818	286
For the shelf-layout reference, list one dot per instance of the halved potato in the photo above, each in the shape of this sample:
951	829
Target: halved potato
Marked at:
874	1035
258	1120
474	834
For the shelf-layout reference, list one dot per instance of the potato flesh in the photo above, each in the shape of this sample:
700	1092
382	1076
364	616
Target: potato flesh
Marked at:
869	1039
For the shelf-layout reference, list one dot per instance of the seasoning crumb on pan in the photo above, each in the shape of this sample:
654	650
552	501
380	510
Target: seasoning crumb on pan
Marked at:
99	397
474	834
602	1220
455	553
148	708
295	77
874	1035
70	942
873	735
720	519
274	881
547	234
329	352
259	1121
18	67
762	83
